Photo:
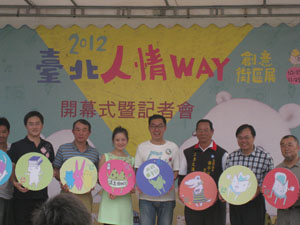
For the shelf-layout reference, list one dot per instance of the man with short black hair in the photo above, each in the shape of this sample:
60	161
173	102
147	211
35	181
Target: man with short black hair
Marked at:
260	162
79	147
6	189
290	148
25	201
160	207
206	156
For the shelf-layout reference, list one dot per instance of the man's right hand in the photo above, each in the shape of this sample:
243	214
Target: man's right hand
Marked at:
20	187
221	198
64	187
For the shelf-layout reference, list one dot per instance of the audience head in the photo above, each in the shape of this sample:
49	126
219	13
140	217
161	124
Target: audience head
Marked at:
63	209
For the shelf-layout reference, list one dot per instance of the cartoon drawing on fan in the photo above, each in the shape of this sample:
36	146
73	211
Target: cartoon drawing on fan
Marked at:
117	177
158	184
116	180
198	193
78	175
69	178
3	171
280	187
34	169
151	172
239	184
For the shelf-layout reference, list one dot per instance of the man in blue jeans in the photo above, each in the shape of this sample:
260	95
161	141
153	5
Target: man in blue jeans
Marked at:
157	148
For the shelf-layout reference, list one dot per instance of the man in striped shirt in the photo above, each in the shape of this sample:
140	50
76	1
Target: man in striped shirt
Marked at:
79	147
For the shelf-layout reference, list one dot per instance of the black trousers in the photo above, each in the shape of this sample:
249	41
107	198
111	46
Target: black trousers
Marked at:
251	213
6	212
23	209
214	215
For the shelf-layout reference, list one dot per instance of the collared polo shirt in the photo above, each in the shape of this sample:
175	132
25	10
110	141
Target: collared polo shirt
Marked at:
20	148
70	150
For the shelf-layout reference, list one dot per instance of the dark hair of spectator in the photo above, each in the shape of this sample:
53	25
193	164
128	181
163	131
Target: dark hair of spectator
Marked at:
63	209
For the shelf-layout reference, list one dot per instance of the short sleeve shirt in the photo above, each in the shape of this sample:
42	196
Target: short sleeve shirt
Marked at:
259	161
70	150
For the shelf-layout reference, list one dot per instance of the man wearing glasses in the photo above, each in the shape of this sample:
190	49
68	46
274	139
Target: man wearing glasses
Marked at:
260	162
157	148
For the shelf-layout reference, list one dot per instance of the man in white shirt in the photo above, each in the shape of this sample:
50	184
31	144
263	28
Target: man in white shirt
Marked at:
157	148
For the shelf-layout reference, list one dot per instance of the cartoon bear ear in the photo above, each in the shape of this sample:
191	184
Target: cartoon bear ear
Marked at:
290	113
223	96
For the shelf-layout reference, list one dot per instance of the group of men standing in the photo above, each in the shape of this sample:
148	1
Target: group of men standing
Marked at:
17	203
201	157
155	209
206	151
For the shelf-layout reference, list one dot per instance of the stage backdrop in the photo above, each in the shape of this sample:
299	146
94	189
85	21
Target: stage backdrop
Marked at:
230	75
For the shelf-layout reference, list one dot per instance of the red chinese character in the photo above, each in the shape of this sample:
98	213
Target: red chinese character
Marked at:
144	110
107	107
114	70
153	60
68	108
88	109
186	110
126	109
166	109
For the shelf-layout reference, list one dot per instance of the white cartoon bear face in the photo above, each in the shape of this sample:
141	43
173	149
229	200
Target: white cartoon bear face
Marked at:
240	183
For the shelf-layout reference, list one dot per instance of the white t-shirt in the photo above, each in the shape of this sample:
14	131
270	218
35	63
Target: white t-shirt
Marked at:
168	152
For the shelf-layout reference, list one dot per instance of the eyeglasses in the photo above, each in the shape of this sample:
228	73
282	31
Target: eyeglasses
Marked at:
244	138
152	127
